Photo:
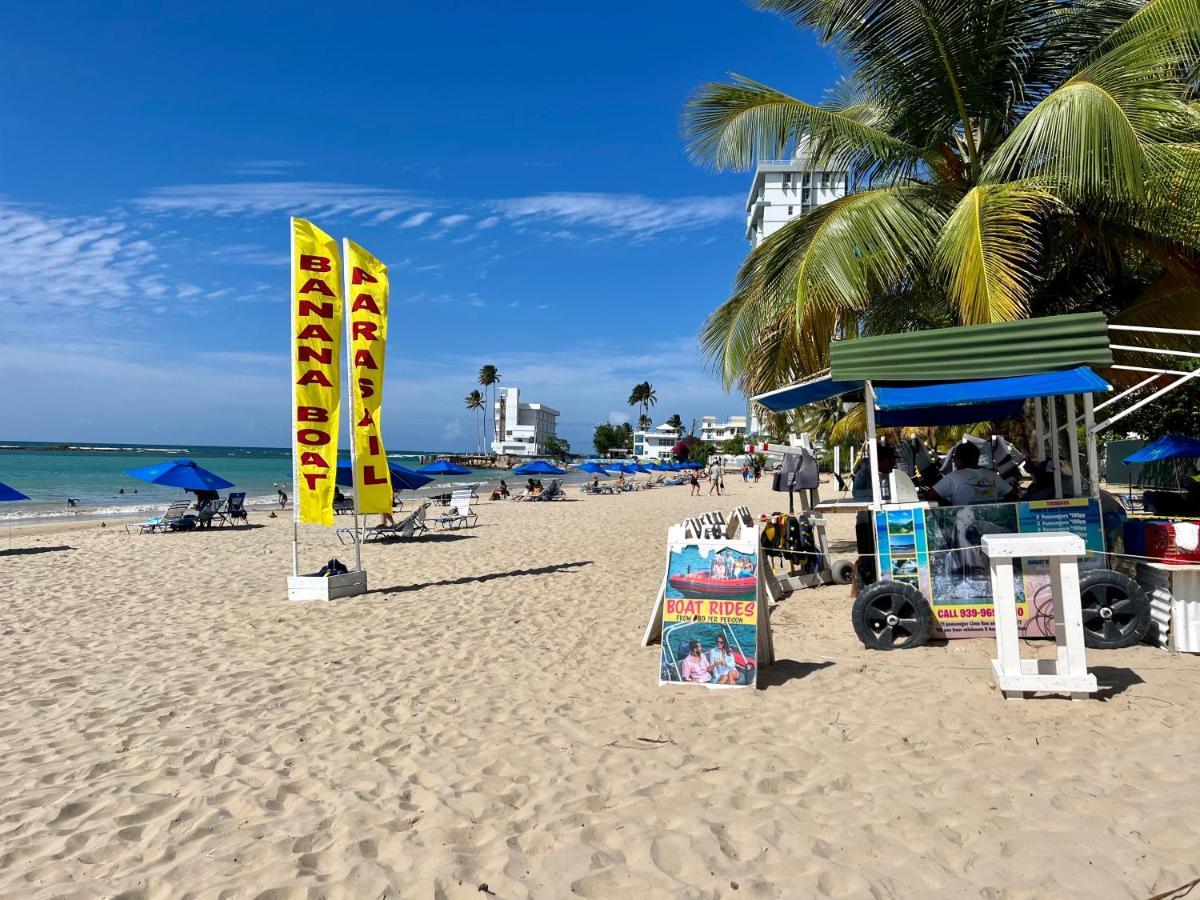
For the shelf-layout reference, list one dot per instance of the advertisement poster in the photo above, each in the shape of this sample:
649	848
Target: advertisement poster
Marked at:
960	579
903	547
710	616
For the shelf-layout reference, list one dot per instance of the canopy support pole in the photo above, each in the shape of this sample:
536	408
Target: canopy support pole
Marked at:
1089	435
872	446
1039	448
1145	400
1073	447
1125	393
1054	454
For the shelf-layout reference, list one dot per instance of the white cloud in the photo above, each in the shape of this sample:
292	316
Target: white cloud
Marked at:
264	168
304	198
419	218
617	418
455	219
90	261
625	214
489	222
251	255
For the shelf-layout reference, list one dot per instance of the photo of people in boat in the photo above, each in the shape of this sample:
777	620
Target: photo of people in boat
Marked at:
709	653
721	573
957	563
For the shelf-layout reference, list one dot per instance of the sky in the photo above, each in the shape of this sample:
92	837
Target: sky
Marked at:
518	165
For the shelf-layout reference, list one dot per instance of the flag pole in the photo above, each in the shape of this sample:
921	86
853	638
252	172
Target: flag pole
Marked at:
353	405
292	411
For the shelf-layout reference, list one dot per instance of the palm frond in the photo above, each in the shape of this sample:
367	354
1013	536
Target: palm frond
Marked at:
989	249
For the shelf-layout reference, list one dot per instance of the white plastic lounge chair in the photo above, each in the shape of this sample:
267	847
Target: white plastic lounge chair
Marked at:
410	526
460	512
175	514
553	492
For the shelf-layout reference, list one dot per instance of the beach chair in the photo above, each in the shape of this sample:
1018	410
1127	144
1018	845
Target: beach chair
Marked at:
410	526
210	511
461	514
553	492
176	513
234	510
343	507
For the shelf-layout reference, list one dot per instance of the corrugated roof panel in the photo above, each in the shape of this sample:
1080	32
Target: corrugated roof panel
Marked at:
975	351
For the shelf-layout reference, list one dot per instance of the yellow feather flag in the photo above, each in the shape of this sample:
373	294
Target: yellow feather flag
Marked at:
366	346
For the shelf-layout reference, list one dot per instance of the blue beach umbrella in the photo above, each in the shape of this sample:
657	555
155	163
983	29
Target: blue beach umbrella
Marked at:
645	469
443	467
7	493
538	467
402	479
1169	446
594	468
626	468
181	473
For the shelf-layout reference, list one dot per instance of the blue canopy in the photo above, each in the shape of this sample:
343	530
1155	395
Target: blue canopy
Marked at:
181	473
690	465
593	467
626	468
1020	387
1169	446
951	415
538	467
794	396
402	479
444	467
7	493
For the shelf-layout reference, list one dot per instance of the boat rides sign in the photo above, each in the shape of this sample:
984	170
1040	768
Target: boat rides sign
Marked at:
710	615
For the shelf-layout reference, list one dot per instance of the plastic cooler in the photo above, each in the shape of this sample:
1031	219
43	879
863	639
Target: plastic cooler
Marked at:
1159	539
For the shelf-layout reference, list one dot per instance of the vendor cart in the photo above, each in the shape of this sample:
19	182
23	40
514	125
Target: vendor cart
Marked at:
922	569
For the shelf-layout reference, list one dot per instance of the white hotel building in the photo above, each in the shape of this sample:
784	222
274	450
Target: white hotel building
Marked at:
718	432
786	188
655	444
522	428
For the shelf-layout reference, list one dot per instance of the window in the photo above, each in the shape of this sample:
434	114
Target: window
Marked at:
790	209
824	181
787	179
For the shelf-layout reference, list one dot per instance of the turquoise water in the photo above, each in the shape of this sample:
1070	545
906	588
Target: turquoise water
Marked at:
93	475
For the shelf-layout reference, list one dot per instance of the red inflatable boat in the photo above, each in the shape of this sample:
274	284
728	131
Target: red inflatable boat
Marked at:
702	585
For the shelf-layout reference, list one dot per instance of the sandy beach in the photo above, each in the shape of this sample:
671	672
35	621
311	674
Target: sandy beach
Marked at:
486	721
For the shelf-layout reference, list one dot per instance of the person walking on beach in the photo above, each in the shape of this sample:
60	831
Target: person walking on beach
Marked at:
282	496
714	477
757	472
695	483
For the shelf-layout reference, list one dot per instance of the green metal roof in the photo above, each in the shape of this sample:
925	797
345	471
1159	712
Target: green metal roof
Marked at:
970	352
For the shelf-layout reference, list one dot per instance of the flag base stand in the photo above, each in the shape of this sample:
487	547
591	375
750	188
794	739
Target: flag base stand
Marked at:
319	587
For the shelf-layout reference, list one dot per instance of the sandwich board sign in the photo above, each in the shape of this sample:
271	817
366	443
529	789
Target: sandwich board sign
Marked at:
711	611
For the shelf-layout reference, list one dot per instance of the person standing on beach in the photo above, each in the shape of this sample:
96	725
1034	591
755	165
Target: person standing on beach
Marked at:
695	483
714	477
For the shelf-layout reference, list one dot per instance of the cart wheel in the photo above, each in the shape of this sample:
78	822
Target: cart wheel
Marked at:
1116	612
891	615
842	571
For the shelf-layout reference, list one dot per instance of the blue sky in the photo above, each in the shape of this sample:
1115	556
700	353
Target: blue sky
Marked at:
518	165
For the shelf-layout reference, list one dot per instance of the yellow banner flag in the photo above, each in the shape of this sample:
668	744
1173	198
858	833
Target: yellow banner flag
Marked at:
366	343
316	365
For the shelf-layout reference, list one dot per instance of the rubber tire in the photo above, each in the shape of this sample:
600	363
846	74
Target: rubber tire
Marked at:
1131	611
842	571
882	597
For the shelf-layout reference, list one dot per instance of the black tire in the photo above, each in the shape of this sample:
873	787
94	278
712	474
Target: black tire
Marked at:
892	615
1116	611
842	571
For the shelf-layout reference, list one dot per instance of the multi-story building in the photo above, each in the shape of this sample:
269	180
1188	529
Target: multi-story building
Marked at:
522	428
655	444
718	432
786	188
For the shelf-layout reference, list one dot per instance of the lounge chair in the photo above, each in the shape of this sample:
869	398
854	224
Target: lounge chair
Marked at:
554	492
210	511
410	526
343	507
234	510
174	517
460	505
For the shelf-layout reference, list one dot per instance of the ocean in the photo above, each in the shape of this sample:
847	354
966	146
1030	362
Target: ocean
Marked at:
94	476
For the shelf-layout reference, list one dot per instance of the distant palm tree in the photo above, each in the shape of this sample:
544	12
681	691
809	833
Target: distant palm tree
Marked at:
676	422
489	377
475	401
643	395
644	422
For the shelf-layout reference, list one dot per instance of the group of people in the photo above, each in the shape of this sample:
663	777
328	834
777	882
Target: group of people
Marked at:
965	485
719	666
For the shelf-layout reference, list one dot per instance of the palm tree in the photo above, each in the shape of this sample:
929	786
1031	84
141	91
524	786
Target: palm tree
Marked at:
1012	158
643	396
489	377
676	422
475	401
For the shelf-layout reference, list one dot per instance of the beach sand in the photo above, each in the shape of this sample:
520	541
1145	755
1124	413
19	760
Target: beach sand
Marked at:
171	726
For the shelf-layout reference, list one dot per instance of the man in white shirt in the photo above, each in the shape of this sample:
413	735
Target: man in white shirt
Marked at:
969	485
714	476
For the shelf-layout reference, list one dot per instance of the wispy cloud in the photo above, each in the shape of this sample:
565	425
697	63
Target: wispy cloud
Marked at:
455	219
90	261
306	198
251	255
625	214
489	222
264	168
419	218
